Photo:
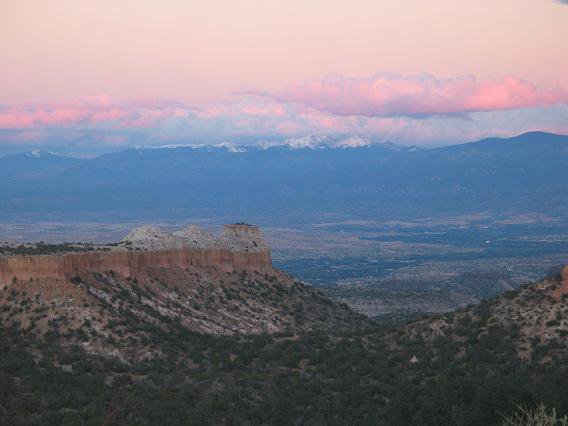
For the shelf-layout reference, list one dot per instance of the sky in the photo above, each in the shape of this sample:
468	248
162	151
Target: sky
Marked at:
85	75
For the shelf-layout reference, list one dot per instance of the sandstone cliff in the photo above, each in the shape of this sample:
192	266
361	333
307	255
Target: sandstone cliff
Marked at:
563	288
236	250
104	298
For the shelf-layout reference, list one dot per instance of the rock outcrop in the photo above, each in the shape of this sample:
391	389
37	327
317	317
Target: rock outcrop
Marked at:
155	281
563	288
151	238
235	237
198	238
238	249
243	237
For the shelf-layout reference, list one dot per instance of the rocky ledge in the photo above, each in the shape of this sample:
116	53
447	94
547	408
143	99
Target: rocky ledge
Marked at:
235	237
240	247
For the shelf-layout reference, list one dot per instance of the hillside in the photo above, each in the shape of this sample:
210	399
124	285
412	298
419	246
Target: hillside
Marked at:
107	299
109	315
530	322
465	368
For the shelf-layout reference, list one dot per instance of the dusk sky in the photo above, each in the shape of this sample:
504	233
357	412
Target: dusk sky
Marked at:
83	75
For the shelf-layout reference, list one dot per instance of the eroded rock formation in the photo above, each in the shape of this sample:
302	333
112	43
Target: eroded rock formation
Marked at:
240	250
563	289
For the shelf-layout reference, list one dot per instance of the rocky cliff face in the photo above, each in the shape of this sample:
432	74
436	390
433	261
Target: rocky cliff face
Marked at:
130	263
563	288
155	280
159	250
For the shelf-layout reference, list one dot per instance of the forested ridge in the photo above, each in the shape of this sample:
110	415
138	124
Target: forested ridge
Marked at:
470	367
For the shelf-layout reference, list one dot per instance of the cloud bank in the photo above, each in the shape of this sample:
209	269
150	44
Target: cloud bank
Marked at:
419	95
418	110
94	110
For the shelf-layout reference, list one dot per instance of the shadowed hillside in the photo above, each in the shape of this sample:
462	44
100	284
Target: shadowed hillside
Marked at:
470	367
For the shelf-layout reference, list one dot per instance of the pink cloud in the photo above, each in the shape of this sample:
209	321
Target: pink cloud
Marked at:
249	105
92	110
321	104
418	95
389	107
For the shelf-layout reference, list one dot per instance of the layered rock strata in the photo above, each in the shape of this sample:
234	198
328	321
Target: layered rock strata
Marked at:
149	247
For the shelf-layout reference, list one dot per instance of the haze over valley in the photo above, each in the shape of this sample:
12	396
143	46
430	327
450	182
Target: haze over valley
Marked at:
390	230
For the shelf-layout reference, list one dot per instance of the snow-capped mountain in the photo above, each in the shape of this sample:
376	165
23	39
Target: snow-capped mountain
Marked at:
323	142
310	176
223	146
231	147
353	142
311	142
305	142
32	161
38	153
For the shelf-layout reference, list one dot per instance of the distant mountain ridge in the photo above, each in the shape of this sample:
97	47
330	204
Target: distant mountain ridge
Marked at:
315	142
297	179
35	161
305	142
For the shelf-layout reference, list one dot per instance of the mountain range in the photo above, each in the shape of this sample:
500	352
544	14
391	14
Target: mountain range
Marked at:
295	180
